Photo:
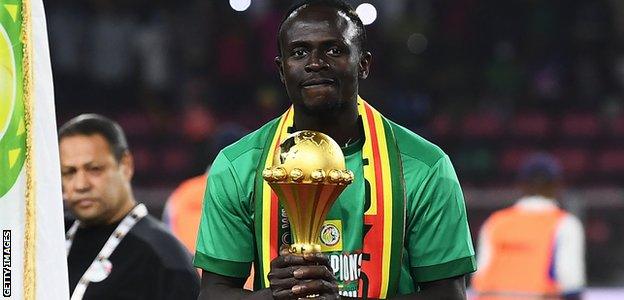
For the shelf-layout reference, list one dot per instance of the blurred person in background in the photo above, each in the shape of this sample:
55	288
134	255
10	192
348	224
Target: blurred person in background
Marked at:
183	212
321	60
183	208
115	249
534	249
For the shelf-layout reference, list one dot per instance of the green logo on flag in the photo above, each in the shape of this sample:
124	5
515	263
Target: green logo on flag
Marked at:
12	126
7	82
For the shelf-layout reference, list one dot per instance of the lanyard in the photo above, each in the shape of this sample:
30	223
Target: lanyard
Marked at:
101	263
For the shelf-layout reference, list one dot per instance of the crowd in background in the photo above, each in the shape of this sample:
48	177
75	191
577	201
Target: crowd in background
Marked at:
489	81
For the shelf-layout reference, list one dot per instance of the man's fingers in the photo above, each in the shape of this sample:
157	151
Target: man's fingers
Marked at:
296	276
313	272
284	294
283	284
286	260
317	258
302	273
321	287
325	290
281	273
284	250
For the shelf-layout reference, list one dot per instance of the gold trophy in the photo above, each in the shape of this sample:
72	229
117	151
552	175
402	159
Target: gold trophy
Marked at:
308	175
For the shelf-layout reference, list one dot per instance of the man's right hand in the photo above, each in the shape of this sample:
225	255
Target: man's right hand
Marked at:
294	276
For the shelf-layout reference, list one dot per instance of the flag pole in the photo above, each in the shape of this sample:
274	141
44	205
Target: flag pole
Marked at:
30	226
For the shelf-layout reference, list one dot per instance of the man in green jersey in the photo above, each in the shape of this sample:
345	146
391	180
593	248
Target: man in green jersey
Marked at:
398	231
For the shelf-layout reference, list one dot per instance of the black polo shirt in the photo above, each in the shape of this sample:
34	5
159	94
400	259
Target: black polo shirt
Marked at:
149	263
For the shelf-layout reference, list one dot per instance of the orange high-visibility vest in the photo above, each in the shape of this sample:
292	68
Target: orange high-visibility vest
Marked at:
522	244
185	214
185	210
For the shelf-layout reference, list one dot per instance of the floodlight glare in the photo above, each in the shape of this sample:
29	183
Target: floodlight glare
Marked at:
367	12
240	5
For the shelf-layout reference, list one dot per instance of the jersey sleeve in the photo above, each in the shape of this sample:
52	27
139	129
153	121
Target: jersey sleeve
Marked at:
225	236
437	234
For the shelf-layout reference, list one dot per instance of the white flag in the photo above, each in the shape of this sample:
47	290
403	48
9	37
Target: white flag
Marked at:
34	263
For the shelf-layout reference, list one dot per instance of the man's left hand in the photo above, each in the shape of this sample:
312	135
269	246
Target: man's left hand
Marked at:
294	276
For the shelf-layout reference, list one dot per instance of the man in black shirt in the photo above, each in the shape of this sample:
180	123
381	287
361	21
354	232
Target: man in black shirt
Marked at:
115	250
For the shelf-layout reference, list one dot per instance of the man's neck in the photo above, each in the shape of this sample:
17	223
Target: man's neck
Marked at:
123	211
116	217
342	125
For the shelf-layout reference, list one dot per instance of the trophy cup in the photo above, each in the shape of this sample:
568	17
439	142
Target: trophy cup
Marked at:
308	175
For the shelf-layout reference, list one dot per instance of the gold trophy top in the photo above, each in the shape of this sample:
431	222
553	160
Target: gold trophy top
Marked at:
308	157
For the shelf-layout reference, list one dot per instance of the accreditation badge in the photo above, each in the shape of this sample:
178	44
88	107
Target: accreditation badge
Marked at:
99	270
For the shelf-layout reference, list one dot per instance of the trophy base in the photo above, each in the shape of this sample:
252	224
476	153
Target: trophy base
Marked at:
301	249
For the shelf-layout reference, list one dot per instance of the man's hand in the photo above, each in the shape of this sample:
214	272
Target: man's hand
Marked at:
293	276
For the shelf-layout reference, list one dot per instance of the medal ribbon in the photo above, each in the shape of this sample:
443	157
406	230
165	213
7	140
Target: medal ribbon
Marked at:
111	244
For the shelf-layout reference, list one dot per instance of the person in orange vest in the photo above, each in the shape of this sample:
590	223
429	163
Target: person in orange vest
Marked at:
183	212
533	249
183	208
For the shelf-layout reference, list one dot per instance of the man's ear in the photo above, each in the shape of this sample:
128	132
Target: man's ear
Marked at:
126	163
364	65
280	67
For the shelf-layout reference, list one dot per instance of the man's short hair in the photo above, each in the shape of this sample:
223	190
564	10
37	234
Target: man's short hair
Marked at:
339	5
540	168
92	124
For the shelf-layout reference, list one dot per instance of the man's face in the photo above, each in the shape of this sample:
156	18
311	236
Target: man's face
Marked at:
320	62
95	186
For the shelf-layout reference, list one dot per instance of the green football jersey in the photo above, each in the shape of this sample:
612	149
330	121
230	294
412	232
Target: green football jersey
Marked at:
437	241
